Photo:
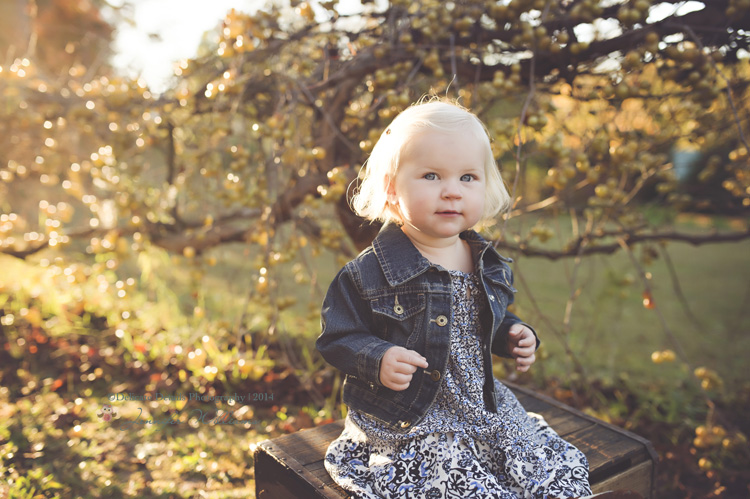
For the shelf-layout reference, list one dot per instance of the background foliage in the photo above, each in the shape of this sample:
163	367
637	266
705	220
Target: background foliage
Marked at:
181	243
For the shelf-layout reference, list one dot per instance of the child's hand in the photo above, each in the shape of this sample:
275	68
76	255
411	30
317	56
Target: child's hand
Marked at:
397	366
521	346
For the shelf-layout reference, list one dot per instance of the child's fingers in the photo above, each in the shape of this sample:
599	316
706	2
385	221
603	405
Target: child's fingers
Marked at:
410	357
526	360
400	379
404	368
524	351
398	366
526	342
523	343
518	334
516	329
396	381
524	363
398	387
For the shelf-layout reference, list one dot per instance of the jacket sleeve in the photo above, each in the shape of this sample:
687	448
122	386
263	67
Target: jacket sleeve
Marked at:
500	343
347	340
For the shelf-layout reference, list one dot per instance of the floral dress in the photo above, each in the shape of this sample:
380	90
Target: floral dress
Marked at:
459	449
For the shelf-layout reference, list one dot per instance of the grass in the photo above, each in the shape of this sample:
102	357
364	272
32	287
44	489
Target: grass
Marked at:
610	329
610	333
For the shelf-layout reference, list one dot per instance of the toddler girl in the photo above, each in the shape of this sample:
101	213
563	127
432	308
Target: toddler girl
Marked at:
413	321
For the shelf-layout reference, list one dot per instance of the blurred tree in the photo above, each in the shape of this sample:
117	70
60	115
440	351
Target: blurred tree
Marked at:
56	34
269	129
596	107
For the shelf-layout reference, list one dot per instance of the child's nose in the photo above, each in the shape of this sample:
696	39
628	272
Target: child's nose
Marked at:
451	189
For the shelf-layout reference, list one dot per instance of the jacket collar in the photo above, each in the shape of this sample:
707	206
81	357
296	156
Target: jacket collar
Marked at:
402	261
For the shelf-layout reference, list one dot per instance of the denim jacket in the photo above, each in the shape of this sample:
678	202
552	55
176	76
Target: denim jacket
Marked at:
391	295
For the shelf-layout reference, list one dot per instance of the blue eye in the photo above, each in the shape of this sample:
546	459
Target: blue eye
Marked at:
468	178
430	176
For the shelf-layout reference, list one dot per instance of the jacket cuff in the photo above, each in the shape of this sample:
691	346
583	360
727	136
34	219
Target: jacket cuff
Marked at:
368	361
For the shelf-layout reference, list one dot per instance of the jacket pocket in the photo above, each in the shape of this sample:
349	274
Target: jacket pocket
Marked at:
399	307
400	316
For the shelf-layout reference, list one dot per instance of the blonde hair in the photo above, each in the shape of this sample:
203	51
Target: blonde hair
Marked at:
371	199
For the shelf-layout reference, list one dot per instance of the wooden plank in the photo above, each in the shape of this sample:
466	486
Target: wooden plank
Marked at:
308	446
530	403
563	422
318	469
283	476
616	429
608	454
618	459
327	432
638	479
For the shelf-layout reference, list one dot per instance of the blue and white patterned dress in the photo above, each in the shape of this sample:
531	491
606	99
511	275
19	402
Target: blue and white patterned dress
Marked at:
459	450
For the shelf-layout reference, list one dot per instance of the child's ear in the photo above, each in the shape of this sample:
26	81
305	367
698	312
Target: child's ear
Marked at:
390	189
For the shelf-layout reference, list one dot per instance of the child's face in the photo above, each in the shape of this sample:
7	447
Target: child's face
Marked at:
439	188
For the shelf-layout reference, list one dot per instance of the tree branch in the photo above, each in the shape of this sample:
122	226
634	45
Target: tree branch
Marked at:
591	248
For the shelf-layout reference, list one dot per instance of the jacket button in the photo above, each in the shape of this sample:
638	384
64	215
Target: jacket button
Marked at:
435	375
404	424
441	320
397	307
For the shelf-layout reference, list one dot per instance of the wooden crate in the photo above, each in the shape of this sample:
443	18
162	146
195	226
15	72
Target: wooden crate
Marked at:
291	466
